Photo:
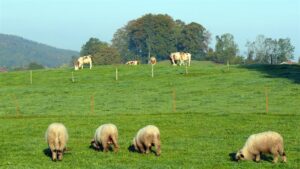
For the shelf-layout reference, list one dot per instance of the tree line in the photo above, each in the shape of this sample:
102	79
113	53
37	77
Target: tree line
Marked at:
159	35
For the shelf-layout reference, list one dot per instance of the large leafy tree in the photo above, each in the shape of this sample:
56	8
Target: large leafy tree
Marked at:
194	38
152	35
120	41
102	53
226	49
159	35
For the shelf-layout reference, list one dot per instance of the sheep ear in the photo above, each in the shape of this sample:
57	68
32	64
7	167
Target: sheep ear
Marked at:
242	155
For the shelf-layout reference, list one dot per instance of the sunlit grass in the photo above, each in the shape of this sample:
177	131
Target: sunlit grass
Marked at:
215	111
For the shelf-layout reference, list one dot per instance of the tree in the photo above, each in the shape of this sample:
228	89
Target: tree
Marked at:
92	46
159	35
120	42
270	51
194	38
285	50
101	52
34	66
152	35
226	49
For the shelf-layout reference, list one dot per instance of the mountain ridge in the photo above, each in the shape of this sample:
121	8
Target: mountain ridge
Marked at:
16	51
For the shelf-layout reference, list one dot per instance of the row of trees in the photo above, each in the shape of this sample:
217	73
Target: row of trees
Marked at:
269	51
159	35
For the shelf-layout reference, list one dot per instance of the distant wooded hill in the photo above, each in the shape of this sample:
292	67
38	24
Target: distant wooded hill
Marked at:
19	52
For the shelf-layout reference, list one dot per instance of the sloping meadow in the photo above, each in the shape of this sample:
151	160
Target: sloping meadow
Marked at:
205	114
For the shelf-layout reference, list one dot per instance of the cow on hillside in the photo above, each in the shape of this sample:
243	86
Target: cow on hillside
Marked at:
182	57
132	62
83	60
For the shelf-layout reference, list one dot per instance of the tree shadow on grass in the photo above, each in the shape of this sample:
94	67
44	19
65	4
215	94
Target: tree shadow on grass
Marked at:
291	72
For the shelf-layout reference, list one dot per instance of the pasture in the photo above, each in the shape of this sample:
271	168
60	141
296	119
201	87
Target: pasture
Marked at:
204	116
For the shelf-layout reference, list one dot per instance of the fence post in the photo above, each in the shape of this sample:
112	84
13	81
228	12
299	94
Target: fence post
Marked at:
116	73
152	75
227	65
92	104
30	76
17	105
267	100
73	80
174	100
186	69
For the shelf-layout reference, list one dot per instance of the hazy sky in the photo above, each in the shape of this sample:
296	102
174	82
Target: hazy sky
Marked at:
69	24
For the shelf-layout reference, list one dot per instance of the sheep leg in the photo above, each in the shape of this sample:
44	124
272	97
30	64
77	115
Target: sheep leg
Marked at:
148	149
283	156
141	147
282	153
105	146
257	158
275	153
54	155
157	144
115	142
60	155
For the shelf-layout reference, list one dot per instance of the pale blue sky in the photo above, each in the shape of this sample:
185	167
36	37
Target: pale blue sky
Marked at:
69	24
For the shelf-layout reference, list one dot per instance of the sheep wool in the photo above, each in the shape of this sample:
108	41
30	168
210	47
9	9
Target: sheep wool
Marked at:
57	138
106	135
146	138
265	142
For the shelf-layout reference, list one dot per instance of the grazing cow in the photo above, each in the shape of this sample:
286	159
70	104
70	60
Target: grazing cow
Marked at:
152	60
132	62
289	62
181	57
83	60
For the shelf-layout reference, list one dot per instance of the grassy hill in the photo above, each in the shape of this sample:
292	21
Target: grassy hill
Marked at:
204	116
18	52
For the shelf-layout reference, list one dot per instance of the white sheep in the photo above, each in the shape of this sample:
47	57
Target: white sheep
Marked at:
106	135
265	142
146	138
57	138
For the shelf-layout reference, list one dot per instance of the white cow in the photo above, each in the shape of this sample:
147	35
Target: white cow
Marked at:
181	57
152	60
83	60
132	62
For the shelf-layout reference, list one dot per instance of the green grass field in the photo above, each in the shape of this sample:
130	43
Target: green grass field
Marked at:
204	116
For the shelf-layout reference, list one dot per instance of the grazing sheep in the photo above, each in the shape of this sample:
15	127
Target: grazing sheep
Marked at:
146	138
265	142
57	138
106	135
